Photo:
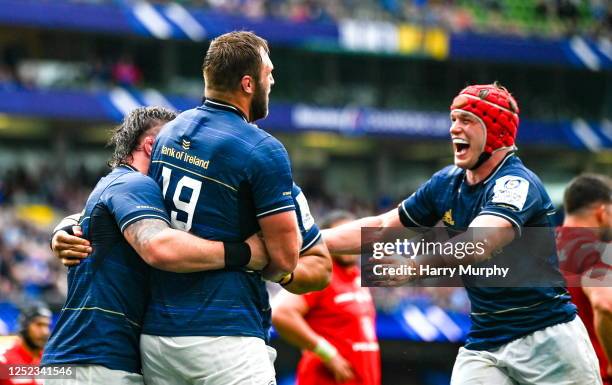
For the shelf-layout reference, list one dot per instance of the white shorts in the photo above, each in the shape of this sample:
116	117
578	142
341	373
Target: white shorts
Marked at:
557	355
99	375
207	360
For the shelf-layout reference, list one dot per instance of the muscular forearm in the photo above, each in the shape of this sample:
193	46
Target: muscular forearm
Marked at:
283	241
173	250
346	239
313	271
180	252
293	328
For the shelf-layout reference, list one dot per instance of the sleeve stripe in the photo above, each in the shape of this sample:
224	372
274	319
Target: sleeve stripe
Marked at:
311	243
139	217
409	217
276	209
514	222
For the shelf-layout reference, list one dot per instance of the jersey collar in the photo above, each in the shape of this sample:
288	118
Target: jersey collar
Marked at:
213	103
501	164
128	166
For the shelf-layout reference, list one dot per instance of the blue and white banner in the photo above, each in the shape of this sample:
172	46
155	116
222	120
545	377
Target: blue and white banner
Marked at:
114	104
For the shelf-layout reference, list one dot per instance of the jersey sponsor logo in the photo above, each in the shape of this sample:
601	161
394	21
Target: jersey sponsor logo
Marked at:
448	218
307	218
511	191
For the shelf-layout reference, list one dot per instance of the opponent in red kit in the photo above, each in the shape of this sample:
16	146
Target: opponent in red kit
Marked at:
33	334
335	327
585	234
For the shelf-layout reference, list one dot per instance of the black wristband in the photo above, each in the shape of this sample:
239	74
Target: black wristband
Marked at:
237	254
67	229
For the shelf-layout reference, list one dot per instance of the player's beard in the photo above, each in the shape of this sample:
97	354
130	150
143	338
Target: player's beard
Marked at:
259	103
33	343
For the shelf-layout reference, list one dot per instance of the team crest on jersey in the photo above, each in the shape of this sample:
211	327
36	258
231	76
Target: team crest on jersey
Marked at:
511	191
186	144
448	218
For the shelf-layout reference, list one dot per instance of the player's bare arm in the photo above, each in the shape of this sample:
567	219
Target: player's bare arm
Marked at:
346	239
313	271
601	301
173	250
282	239
288	315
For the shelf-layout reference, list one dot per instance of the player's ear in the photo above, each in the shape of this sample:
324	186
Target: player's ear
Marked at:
147	145
602	214
247	84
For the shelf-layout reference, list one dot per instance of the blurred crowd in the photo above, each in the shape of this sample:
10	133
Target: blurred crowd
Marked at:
540	17
19	70
28	271
30	204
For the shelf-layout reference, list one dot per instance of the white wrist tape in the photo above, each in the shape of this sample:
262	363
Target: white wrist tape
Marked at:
324	350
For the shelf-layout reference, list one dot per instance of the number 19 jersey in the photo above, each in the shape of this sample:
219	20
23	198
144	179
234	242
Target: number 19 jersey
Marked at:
219	174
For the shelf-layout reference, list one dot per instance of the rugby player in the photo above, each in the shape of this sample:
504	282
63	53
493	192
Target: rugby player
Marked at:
34	321
99	326
585	234
348	354
521	335
222	178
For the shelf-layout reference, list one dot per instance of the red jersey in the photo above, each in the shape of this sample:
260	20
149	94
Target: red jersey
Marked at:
578	253
17	355
344	314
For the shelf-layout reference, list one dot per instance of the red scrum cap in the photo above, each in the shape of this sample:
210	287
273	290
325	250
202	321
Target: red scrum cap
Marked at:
497	111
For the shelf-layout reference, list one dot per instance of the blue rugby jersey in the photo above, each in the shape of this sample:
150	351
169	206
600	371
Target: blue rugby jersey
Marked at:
499	314
218	174
101	321
311	233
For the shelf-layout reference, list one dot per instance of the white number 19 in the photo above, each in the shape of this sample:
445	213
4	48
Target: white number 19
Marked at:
187	207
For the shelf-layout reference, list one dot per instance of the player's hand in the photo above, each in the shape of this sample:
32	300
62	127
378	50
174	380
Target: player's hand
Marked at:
70	249
340	368
259	254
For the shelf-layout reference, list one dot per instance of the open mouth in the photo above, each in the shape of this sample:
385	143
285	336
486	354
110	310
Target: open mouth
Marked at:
461	146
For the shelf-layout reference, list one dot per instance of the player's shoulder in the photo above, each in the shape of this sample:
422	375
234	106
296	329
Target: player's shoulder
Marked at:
512	173
127	179
447	174
264	144
512	165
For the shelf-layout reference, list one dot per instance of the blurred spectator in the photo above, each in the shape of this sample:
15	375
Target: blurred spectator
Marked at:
568	13
125	72
558	16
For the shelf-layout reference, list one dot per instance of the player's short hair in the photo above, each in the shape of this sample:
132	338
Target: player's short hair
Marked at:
232	56
586	189
125	136
336	216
